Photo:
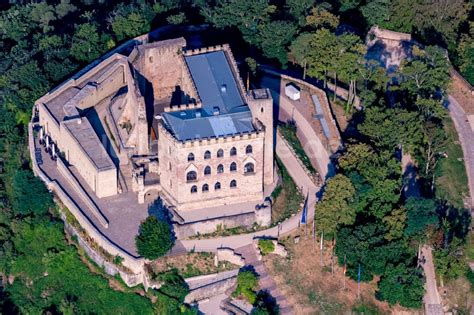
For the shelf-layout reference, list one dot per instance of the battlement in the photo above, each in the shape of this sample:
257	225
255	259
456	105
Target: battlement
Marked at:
177	108
258	134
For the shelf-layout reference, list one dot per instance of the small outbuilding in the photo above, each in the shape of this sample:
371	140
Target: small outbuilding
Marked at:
292	91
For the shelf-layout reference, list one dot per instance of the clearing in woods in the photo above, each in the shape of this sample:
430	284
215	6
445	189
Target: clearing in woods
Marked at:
313	289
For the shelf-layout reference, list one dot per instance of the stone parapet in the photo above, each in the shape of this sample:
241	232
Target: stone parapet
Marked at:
229	255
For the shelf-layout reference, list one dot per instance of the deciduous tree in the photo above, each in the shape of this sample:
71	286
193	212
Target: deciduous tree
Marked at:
334	209
401	284
154	238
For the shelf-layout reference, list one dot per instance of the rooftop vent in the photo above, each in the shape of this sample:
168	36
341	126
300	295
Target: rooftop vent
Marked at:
223	88
182	114
198	114
216	111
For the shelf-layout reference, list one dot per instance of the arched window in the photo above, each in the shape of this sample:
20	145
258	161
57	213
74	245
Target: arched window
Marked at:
248	149
249	168
190	157
220	169
205	188
233	167
233	151
191	176
233	183
207	155
207	170
217	186
194	189
220	153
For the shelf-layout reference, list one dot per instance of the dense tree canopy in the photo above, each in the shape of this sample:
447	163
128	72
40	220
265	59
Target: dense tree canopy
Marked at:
154	238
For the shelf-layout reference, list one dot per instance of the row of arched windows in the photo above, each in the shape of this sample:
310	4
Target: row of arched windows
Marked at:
249	168
220	153
217	186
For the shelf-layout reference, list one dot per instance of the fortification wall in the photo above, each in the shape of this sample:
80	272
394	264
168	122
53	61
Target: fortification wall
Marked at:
48	122
163	66
108	85
136	265
186	230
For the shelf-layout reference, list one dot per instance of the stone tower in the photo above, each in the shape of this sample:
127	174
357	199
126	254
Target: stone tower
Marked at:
261	104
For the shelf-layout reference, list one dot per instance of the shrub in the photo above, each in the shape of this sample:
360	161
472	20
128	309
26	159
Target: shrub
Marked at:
470	277
118	260
266	246
154	239
173	285
247	284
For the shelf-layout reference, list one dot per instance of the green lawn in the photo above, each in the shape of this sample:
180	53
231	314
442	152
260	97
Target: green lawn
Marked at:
451	177
289	133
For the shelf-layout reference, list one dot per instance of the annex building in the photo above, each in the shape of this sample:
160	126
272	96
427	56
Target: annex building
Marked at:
167	120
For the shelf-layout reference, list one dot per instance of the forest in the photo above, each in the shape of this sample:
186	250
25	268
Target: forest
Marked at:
377	226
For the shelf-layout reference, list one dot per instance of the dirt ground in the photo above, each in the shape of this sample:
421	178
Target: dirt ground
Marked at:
341	118
314	289
457	296
190	264
459	91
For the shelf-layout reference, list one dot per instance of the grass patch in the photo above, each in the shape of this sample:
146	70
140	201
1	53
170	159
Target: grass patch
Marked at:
189	265
288	131
450	173
470	246
266	246
287	197
223	231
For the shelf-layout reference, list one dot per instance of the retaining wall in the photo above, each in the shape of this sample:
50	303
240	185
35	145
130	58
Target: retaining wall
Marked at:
203	287
209	226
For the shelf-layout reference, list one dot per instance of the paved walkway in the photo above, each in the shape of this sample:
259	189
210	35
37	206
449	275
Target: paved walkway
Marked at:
431	299
266	282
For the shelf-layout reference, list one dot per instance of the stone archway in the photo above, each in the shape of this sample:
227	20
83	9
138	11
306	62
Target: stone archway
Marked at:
149	194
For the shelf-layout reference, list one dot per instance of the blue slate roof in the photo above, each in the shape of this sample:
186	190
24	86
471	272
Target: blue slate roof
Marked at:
223	111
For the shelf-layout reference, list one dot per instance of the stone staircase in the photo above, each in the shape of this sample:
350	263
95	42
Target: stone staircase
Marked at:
266	281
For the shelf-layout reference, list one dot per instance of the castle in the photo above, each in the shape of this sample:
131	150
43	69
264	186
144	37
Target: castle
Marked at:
166	119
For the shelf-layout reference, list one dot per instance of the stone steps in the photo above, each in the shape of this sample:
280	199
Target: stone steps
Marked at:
266	281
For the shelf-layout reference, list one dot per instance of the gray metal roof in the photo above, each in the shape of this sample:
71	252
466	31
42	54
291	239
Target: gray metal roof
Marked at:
217	87
186	126
89	142
214	81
